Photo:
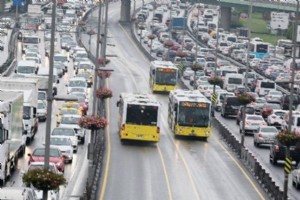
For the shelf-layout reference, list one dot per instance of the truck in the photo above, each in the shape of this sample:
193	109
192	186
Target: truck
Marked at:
12	138
178	23
29	87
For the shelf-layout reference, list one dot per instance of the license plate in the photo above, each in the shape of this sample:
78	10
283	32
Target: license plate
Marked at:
140	135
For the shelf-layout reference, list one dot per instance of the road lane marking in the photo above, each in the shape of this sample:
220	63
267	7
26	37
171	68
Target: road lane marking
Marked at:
184	162
240	168
177	148
165	173
105	178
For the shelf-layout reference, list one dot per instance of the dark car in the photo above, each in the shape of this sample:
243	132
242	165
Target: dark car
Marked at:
249	110
284	102
278	151
230	106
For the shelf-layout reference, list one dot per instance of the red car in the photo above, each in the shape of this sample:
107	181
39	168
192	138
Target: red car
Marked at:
55	156
268	108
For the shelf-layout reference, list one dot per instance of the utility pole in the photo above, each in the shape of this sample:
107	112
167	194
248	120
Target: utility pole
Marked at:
287	155
50	93
247	70
91	146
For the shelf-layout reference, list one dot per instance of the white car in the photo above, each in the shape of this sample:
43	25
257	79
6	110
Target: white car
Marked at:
42	110
252	123
296	177
273	96
64	144
265	135
276	118
77	82
187	73
71	121
67	132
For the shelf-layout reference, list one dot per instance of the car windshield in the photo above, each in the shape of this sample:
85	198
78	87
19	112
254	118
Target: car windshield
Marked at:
269	130
41	105
256	118
26	69
279	113
69	120
273	106
69	111
60	58
260	100
76	89
85	66
77	83
63	131
41	152
60	141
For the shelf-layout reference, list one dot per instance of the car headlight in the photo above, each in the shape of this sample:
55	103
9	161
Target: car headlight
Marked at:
59	164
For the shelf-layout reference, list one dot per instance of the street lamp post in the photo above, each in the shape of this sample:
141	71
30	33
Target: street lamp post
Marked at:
247	71
90	33
196	53
91	145
287	155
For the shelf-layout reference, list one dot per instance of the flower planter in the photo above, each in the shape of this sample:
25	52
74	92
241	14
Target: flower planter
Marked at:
43	179
101	61
196	67
92	122
104	93
168	43
288	138
103	74
245	98
215	80
151	37
181	54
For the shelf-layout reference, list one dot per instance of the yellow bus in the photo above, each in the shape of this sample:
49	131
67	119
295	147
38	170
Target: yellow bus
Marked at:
189	113
163	76
139	117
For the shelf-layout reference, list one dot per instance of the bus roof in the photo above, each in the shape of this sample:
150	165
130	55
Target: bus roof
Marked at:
188	95
163	64
140	99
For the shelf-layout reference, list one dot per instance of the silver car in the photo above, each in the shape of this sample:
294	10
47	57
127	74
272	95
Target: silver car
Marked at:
296	177
265	135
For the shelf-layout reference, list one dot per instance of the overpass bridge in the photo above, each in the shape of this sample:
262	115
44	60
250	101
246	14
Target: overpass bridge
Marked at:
257	5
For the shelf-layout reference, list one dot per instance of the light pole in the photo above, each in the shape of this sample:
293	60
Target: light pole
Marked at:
287	155
247	71
91	146
90	33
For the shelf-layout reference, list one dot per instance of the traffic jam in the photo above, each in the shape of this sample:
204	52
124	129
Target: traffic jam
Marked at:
23	100
218	66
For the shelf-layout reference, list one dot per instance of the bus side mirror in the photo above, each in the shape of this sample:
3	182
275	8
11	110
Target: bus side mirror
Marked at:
118	103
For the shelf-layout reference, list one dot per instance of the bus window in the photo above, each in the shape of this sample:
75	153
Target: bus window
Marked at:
142	115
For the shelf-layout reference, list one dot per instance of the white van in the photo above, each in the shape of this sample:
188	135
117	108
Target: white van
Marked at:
44	71
26	67
227	70
295	121
264	86
231	81
17	193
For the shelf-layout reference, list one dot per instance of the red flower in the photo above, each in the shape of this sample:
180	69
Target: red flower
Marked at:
101	61
104	93
103	74
92	122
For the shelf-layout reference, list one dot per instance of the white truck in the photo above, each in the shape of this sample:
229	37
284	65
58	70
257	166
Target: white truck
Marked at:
29	87
12	138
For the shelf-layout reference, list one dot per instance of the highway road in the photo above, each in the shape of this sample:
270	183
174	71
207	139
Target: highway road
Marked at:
76	172
180	168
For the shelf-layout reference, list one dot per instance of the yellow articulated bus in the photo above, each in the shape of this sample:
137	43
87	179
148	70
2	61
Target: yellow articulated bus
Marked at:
163	76
189	113
139	117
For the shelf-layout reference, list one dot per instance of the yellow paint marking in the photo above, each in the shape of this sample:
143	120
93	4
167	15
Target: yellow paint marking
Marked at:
241	169
165	173
105	176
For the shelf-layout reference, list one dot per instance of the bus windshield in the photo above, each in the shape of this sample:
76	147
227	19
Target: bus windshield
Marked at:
31	40
235	81
166	78
194	116
262	48
142	115
267	85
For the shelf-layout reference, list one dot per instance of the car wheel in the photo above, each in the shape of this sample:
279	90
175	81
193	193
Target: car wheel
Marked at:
82	141
273	160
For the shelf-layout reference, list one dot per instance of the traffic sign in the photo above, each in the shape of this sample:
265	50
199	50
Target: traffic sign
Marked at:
18	2
288	165
214	98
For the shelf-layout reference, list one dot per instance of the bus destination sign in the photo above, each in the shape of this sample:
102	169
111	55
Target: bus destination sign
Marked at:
194	104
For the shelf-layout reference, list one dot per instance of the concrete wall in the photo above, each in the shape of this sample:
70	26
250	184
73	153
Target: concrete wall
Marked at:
225	19
125	11
2	5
